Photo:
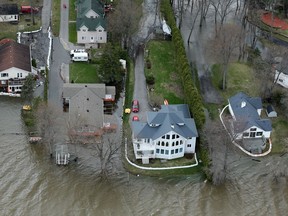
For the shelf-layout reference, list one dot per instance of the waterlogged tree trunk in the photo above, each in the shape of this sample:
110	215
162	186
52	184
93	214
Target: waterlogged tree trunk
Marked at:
193	23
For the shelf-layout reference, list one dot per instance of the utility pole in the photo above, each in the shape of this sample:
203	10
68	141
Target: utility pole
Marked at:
32	12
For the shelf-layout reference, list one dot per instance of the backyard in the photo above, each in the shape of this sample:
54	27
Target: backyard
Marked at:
83	72
25	20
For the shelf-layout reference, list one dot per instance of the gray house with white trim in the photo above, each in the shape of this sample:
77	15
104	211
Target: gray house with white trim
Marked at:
167	134
90	22
246	112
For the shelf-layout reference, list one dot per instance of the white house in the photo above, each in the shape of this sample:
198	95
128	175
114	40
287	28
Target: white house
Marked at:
15	66
247	123
9	13
281	78
90	23
167	134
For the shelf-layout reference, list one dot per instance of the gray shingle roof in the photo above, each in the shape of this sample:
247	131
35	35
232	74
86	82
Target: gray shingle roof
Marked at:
170	118
245	111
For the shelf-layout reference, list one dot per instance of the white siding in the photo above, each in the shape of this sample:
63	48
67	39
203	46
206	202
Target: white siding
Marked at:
190	145
8	18
14	73
91	37
91	14
282	79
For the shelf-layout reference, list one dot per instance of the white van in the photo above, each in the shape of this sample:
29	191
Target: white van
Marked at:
82	56
76	51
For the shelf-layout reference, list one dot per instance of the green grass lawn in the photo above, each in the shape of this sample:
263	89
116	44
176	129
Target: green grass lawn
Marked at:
83	72
25	22
279	134
72	10
56	16
167	83
72	32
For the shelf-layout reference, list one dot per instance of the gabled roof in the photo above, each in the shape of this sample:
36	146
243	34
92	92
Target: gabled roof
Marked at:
245	111
83	6
99	89
90	23
244	106
17	55
170	118
8	9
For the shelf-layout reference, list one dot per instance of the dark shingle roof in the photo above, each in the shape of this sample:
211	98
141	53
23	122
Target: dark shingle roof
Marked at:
170	118
17	55
245	111
8	9
83	6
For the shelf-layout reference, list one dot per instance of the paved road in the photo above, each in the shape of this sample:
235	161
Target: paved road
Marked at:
64	21
46	14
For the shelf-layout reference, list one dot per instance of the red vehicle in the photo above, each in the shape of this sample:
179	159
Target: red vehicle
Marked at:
135	106
135	118
28	9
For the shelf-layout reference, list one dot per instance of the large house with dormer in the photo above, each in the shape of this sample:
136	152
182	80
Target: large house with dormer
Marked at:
247	122
168	134
90	23
15	66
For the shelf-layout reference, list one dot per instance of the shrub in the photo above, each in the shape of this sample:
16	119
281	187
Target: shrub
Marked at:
150	79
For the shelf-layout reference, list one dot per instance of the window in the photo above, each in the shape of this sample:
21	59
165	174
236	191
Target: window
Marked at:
180	150
158	143
162	151
177	136
100	30
162	143
253	129
259	133
173	143
181	142
100	38
157	151
172	151
166	152
189	145
167	136
177	143
246	134
87	110
176	151
83	37
92	38
163	137
280	80
173	136
4	74
167	144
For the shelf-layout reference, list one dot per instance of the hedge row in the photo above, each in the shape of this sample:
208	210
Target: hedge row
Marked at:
191	93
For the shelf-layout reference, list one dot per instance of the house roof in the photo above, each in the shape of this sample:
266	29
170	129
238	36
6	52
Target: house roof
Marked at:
245	111
170	118
86	102
8	9
99	89
17	55
90	23
83	6
270	109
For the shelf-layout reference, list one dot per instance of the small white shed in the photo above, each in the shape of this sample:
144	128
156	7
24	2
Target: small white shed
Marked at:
271	111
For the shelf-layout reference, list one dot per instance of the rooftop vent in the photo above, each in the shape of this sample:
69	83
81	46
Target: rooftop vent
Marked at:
243	104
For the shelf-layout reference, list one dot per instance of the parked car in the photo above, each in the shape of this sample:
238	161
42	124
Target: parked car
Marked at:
28	9
72	52
135	118
135	106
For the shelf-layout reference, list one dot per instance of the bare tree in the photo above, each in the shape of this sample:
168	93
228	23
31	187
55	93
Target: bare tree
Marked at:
194	17
105	151
218	141
222	9
48	124
123	22
225	47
